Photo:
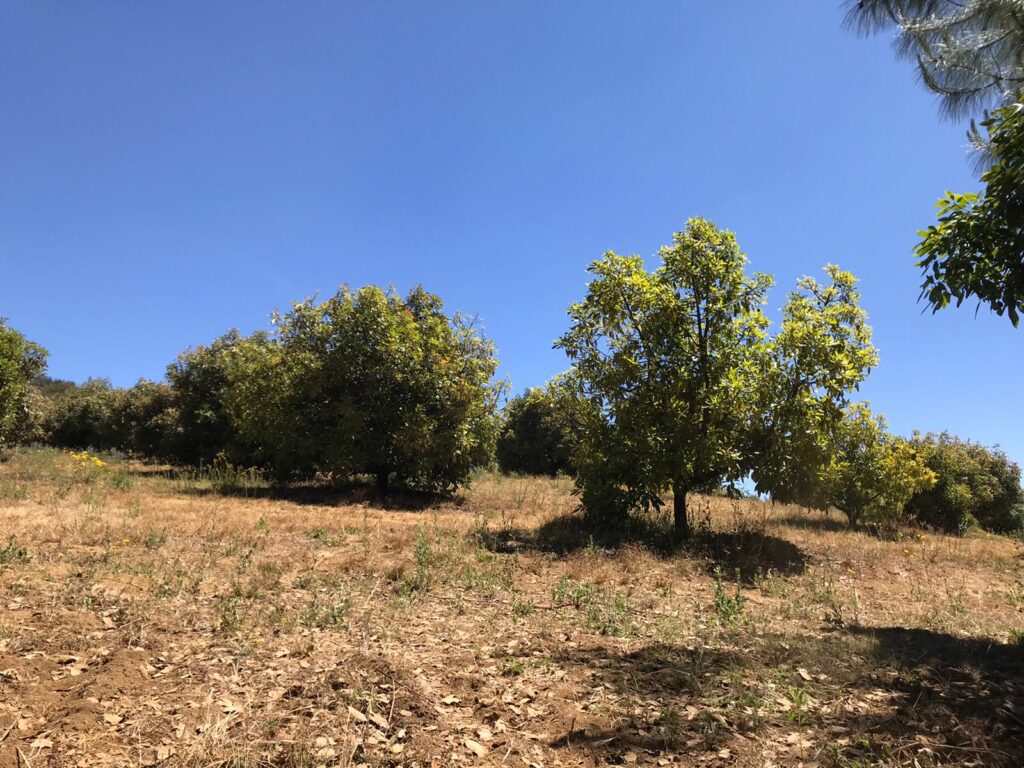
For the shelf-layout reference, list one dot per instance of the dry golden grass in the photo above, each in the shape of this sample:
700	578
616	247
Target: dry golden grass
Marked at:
147	620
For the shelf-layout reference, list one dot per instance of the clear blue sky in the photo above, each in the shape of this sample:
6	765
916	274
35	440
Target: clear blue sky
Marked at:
171	170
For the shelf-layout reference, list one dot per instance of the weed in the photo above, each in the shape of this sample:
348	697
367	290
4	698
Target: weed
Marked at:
424	557
512	669
727	607
522	609
824	593
222	477
12	490
170	586
326	616
708	726
747	712
321	535
154	539
230	613
670	725
122	481
770	584
12	553
956	605
797	713
576	594
611	616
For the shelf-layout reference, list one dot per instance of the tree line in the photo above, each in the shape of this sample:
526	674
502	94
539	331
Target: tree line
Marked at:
364	383
677	384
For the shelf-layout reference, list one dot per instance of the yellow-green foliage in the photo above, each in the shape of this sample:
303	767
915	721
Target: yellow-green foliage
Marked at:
975	485
20	361
685	388
872	474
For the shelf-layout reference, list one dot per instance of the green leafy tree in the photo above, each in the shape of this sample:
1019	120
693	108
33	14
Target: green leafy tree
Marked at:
86	416
20	361
146	419
683	389
971	53
821	353
97	415
872	474
202	427
977	247
538	433
975	485
368	382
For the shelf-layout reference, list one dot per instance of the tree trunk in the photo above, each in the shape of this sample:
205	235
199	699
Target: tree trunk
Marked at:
383	478
680	518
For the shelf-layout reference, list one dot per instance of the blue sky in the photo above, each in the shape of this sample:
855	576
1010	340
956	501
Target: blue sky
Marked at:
171	170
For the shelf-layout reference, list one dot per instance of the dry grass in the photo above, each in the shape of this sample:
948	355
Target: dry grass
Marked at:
150	620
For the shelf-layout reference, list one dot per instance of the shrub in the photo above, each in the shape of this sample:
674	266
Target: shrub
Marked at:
974	485
538	434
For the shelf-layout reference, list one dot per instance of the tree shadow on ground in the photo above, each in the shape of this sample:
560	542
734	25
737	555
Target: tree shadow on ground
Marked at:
743	553
749	554
672	674
891	695
822	522
398	499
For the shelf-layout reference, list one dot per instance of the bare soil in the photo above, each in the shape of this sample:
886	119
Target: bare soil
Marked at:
148	621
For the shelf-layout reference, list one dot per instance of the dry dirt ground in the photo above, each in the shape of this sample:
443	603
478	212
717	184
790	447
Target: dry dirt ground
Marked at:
152	620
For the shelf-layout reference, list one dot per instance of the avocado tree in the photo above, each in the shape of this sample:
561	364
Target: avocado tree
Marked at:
20	361
871	474
538	432
975	485
683	388
200	427
368	383
85	416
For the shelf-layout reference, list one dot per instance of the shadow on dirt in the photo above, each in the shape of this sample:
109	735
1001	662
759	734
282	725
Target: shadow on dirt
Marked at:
893	696
743	553
831	523
398	499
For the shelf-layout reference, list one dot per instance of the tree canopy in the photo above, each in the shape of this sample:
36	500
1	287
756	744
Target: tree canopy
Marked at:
683	386
367	382
20	361
977	247
538	432
975	485
970	52
871	474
